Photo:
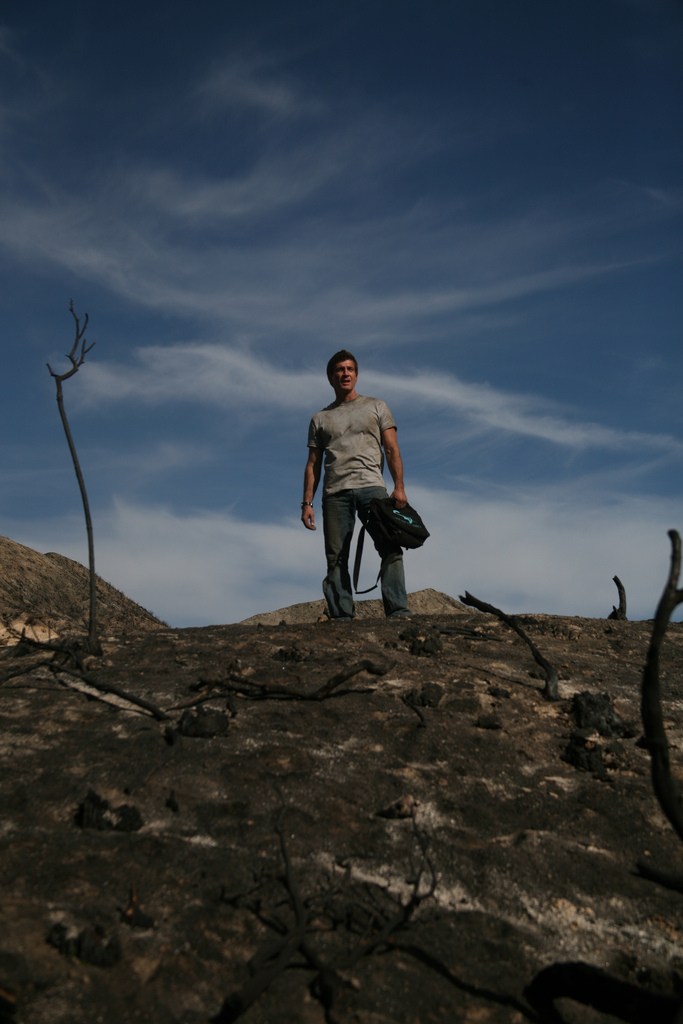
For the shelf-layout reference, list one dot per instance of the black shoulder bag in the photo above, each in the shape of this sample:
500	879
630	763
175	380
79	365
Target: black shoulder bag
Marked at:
402	526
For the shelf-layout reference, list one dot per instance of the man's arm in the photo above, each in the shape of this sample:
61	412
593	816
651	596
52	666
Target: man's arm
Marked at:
395	464
311	481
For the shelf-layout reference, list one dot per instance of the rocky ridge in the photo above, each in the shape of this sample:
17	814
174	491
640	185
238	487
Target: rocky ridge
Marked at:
47	595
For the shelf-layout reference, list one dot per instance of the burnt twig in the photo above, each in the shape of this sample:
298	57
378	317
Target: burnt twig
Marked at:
238	1002
665	788
410	702
71	652
202	698
116	691
485	994
76	357
327	984
258	691
620	612
550	688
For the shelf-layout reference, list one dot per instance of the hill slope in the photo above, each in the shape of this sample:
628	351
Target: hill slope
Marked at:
48	595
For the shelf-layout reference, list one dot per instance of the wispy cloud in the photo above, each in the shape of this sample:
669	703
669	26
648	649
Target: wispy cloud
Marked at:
372	283
258	83
311	233
545	550
225	376
525	415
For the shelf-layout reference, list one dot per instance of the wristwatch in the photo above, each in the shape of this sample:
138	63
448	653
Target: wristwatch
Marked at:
304	503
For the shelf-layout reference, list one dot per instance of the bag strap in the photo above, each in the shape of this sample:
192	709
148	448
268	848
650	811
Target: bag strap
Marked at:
356	565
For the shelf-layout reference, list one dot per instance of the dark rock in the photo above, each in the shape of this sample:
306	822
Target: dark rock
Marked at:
95	812
489	721
89	945
428	696
203	723
595	712
170	736
425	644
431	695
584	755
293	653
136	918
63	939
94	949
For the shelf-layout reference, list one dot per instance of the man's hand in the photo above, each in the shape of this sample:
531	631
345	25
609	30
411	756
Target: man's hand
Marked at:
399	496
311	480
308	517
395	464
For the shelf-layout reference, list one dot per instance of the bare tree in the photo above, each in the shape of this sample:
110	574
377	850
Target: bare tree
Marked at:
76	357
620	612
550	690
665	787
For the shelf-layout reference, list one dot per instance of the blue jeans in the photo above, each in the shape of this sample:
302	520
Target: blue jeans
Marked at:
339	516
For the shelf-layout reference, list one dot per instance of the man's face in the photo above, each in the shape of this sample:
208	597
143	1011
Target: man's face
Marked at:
344	377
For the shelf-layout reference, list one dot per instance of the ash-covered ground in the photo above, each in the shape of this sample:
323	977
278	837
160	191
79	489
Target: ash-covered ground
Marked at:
371	822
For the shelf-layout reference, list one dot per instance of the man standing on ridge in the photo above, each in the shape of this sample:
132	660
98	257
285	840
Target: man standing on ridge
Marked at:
351	433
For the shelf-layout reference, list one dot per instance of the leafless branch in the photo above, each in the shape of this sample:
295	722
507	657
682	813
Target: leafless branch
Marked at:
76	357
550	688
620	612
262	691
665	788
69	653
274	957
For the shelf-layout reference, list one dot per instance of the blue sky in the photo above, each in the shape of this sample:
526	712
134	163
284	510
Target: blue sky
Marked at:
481	200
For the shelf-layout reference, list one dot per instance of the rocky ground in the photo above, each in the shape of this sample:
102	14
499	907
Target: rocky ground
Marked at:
365	823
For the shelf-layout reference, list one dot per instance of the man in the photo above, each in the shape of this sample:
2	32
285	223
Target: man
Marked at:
351	434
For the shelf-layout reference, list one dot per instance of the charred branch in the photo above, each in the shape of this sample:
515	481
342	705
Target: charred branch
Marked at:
665	788
550	688
264	691
111	688
620	612
76	357
59	663
485	994
411	702
25	670
377	930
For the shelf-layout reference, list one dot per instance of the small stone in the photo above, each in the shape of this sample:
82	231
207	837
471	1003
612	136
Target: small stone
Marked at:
489	722
431	695
402	808
203	723
95	812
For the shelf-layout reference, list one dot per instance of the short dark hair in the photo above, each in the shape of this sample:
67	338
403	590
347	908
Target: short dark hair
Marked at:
340	357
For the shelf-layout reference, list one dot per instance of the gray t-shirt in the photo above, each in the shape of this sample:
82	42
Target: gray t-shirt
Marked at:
350	434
